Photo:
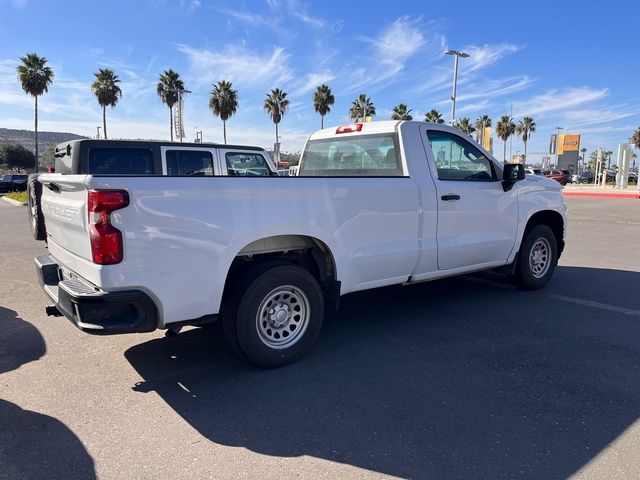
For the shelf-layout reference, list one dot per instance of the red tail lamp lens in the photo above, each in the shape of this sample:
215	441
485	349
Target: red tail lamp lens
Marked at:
106	240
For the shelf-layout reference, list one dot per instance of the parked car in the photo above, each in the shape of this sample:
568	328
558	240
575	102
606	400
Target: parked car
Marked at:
585	177
147	158
13	183
633	178
567	176
533	171
556	175
375	204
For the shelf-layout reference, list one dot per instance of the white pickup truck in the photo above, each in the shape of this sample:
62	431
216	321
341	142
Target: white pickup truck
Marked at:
373	204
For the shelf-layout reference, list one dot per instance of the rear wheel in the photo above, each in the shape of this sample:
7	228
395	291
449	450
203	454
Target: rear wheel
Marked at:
34	210
537	258
274	314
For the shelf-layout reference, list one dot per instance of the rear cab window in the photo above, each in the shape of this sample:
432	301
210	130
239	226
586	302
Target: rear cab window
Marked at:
120	161
373	155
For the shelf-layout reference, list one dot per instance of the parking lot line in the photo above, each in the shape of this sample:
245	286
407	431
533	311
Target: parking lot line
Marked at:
593	304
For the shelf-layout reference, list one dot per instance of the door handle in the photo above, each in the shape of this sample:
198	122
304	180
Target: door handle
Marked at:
451	196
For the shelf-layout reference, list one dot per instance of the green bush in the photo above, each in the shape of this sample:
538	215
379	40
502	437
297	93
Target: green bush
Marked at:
19	196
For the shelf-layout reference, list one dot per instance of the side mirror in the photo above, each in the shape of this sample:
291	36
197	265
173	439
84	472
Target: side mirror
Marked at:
512	173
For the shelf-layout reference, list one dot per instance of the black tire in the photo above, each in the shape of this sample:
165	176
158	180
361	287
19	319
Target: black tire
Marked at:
531	273
267	289
34	208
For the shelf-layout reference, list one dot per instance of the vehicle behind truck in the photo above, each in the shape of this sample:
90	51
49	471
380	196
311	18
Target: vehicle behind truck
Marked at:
142	158
375	204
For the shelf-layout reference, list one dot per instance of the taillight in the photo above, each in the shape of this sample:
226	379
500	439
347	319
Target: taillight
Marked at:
106	240
356	127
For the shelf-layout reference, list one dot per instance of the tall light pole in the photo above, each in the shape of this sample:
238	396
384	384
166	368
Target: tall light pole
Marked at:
557	143
456	54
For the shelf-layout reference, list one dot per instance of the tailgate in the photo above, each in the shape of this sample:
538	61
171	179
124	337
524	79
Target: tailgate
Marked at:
64	205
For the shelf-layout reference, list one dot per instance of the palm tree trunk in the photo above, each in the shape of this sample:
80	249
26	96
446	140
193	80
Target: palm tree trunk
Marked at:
36	132
504	156
321	122
277	159
104	121
171	122
224	131
525	151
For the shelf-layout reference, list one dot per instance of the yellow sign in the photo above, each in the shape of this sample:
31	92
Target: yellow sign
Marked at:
569	142
486	139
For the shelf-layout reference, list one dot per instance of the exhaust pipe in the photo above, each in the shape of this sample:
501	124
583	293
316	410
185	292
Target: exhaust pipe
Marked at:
52	311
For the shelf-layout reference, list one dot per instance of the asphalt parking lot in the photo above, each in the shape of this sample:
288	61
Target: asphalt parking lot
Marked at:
461	378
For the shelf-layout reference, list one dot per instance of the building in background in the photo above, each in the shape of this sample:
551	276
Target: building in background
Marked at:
567	148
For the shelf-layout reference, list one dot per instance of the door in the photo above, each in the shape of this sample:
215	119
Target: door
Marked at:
477	220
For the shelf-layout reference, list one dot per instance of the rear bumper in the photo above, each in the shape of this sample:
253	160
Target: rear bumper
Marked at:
95	311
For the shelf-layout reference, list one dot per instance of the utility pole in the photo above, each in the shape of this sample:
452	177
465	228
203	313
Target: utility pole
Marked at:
456	54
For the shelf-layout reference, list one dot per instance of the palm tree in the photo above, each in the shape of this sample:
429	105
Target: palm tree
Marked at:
169	84
525	128
362	107
35	77
465	125
223	103
608	154
401	112
504	129
322	100
276	105
583	150
434	116
635	138
106	89
482	122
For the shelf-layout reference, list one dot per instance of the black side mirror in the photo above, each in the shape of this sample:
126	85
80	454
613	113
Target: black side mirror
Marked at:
512	173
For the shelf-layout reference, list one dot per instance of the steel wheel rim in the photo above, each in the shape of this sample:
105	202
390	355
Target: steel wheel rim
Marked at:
283	317
540	257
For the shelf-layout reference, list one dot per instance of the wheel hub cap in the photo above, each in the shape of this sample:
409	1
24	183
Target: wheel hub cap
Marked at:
282	317
540	257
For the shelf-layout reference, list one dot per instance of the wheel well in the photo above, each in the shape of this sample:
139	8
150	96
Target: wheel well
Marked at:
305	251
553	220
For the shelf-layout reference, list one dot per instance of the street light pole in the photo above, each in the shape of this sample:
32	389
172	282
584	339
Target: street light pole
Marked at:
557	143
456	54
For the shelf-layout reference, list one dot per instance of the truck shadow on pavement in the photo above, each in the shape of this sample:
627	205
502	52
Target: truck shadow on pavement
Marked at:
461	378
32	445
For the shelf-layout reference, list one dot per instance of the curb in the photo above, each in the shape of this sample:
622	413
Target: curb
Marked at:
14	202
601	195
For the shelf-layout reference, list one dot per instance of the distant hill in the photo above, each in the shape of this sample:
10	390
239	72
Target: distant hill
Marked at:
26	138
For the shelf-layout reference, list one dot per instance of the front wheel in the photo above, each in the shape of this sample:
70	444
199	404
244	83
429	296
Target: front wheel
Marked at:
537	258
274	315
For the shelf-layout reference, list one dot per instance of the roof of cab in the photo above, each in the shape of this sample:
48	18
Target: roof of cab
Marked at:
132	143
384	126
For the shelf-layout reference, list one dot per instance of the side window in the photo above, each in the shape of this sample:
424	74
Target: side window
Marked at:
189	162
241	164
457	159
120	161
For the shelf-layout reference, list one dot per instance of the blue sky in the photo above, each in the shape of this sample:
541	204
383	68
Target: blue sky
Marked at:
563	63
